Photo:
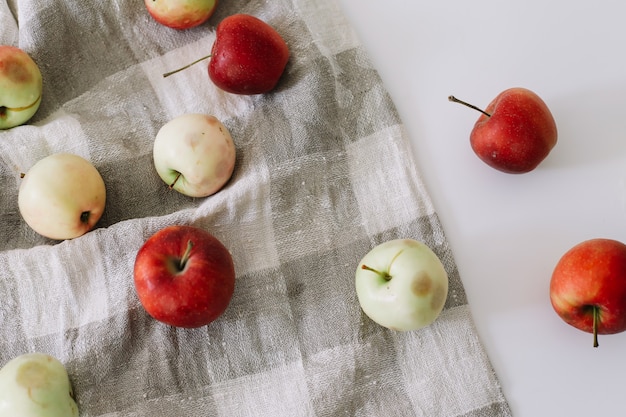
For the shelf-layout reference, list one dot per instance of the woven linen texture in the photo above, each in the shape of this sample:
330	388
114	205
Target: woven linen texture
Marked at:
324	173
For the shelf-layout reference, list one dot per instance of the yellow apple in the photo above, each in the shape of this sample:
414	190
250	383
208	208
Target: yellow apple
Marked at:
62	196
194	154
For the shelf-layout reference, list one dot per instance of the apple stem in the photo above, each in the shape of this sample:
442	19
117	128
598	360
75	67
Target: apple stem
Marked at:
471	106
596	319
84	217
385	275
186	255
167	74
175	180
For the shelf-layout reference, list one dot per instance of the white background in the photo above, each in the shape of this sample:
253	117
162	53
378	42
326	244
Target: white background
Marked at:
508	231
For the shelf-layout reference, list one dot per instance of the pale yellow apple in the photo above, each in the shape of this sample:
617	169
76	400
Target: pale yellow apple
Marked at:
401	284
62	196
36	385
194	154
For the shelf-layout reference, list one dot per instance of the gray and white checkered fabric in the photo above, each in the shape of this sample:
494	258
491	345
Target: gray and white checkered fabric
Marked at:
324	172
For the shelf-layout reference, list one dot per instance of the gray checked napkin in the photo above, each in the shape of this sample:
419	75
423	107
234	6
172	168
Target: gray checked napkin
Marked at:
324	172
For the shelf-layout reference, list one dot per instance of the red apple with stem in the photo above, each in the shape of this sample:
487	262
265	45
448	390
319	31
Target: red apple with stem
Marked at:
588	287
515	132
184	276
248	56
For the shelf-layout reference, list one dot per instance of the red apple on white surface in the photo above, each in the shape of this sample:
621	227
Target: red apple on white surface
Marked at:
184	276
588	287
401	284
194	154
248	56
62	196
20	87
181	14
36	385
515	133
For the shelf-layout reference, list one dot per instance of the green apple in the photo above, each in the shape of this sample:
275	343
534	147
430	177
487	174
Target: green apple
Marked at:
401	284
36	385
194	154
62	196
20	87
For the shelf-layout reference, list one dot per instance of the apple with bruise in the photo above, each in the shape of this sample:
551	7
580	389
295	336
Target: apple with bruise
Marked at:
21	87
36	385
401	284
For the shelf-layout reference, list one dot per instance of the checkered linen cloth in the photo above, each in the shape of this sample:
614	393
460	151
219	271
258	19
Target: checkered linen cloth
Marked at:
323	174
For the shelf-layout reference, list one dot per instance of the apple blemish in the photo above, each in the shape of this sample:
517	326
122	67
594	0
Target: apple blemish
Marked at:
401	284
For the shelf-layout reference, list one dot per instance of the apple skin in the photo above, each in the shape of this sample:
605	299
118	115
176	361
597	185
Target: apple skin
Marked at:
184	285
181	14
36	385
591	277
194	154
62	196
20	87
248	55
519	134
401	284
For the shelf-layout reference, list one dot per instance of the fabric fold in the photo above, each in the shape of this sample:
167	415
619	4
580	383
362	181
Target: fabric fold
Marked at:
324	172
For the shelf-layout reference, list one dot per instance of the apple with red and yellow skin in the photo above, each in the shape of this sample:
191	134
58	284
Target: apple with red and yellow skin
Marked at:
515	132
181	14
21	86
62	196
184	276
588	287
248	56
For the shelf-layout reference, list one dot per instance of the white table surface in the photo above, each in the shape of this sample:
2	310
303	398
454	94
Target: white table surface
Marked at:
508	231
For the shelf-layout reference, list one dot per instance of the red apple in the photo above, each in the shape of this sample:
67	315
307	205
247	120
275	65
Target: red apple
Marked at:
184	276
181	14
588	287
248	56
515	132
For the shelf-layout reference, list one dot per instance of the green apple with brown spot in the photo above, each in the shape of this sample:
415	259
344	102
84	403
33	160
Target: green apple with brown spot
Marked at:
20	87
401	284
36	385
